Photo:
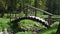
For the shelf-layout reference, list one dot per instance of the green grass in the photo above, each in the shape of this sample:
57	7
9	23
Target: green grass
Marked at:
39	14
25	32
4	20
52	30
47	31
31	25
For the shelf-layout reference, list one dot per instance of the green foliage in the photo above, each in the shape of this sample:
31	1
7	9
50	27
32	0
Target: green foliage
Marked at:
50	30
3	26
30	25
15	3
25	24
25	32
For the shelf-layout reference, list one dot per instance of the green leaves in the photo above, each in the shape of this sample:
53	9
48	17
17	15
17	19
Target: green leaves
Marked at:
3	24
25	32
30	25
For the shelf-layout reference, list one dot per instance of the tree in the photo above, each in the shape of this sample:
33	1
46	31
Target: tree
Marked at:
53	6
2	9
36	5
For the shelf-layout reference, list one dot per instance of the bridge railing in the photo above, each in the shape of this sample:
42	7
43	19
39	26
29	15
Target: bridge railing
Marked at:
49	19
34	8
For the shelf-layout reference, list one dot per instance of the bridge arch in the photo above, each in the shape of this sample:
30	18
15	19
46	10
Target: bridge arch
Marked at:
37	19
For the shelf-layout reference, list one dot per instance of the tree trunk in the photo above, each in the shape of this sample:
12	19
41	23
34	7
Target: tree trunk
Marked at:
2	12
2	9
49	6
36	5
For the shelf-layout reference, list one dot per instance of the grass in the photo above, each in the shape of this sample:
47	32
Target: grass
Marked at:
4	20
47	31
51	30
31	25
25	32
39	14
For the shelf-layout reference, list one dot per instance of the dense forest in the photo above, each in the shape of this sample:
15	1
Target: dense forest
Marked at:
51	6
30	16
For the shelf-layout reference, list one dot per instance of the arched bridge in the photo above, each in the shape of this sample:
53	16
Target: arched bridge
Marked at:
37	19
15	25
